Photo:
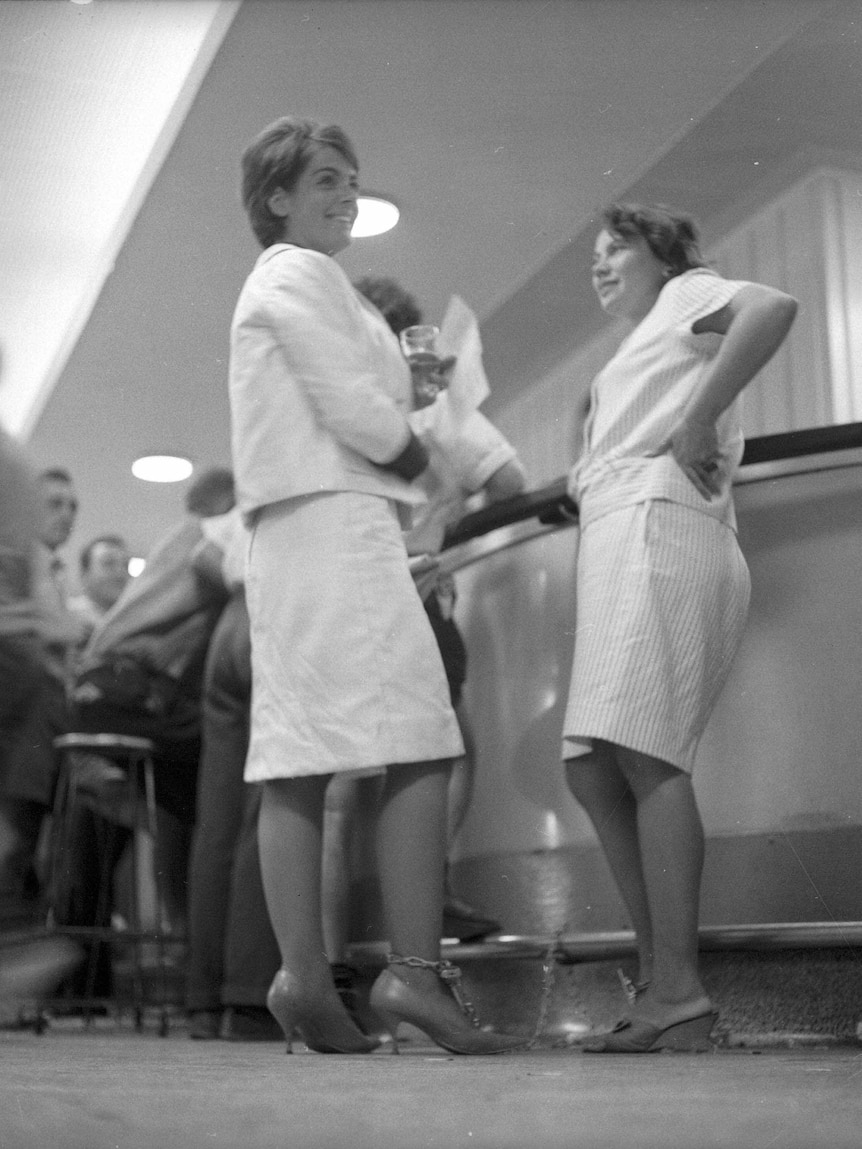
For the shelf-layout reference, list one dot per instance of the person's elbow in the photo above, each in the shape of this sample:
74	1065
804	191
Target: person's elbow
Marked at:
506	482
777	307
786	307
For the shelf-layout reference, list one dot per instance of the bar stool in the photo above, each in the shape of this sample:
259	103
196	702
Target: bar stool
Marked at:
135	786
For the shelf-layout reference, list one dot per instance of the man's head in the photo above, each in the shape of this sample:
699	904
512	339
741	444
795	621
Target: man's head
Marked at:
104	570
59	507
212	493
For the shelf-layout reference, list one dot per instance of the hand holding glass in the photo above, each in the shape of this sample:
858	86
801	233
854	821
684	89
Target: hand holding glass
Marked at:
419	345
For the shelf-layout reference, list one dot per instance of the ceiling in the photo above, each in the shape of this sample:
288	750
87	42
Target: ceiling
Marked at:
498	126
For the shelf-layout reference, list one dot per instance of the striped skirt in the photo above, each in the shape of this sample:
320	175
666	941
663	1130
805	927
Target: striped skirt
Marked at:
662	598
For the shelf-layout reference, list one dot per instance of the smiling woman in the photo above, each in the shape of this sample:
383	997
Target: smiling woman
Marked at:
324	456
662	586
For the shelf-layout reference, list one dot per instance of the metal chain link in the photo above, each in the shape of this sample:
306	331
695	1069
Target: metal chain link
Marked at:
448	973
451	975
549	966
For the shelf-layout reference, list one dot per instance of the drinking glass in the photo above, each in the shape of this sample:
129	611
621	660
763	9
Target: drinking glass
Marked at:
419	346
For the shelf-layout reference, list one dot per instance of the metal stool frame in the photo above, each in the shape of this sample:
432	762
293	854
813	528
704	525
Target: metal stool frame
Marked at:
137	757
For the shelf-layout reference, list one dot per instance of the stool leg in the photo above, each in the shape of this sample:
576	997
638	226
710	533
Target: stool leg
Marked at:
79	898
105	837
138	993
161	910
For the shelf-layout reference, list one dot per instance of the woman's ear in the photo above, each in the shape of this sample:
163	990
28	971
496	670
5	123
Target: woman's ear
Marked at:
279	203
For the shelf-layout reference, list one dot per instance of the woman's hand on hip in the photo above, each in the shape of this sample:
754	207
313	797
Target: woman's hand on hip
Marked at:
695	447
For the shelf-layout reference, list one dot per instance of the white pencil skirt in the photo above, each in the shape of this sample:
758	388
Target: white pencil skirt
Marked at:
346	673
662	598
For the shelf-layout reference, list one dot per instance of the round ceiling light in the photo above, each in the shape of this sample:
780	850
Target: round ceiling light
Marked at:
162	468
376	215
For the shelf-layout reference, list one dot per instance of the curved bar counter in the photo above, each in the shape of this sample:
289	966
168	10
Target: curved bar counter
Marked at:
778	771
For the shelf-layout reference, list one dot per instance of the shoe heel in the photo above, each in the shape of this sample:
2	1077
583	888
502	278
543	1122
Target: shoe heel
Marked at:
394	1001
689	1036
390	1024
284	1015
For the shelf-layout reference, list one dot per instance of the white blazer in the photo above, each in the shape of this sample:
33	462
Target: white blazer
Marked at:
319	390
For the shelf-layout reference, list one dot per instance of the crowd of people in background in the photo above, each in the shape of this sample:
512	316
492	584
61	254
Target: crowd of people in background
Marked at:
292	649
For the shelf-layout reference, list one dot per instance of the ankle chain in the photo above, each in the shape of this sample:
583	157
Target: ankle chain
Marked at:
448	973
632	989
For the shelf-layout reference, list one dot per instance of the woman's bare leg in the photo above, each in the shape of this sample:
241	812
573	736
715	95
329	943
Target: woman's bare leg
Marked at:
599	785
303	993
411	847
672	850
411	844
339	820
290	832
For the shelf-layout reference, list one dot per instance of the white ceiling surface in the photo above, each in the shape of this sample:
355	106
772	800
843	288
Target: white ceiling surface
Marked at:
498	126
92	98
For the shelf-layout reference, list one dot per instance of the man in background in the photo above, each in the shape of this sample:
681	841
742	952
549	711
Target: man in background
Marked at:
104	573
28	966
29	769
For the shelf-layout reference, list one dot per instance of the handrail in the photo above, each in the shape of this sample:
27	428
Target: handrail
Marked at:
610	945
551	504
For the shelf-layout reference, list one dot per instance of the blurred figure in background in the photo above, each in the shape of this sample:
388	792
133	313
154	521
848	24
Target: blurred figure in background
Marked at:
30	770
28	967
233	954
477	460
141	674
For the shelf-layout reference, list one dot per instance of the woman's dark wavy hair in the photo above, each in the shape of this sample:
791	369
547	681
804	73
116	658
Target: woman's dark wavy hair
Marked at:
671	236
398	306
276	158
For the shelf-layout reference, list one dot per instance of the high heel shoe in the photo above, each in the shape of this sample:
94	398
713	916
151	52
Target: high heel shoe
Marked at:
690	1035
395	1001
325	1026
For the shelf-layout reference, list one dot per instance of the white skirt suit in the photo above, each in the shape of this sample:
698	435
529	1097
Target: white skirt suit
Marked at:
662	587
346	672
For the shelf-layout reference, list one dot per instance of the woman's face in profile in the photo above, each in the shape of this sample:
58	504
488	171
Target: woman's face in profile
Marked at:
320	211
627	276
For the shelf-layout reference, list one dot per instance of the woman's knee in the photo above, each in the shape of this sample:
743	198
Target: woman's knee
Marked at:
595	777
645	774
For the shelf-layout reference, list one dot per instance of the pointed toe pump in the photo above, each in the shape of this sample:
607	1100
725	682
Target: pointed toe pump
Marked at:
324	1025
456	1030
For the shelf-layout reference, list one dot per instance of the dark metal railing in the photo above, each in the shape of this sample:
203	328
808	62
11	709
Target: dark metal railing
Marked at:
551	505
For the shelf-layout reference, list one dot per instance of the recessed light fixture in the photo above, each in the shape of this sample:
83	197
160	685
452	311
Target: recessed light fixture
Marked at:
376	215
162	468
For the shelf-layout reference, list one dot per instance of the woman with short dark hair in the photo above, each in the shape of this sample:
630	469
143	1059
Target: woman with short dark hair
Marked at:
347	676
662	587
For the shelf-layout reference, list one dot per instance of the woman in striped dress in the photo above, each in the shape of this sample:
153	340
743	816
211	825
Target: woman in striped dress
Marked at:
662	588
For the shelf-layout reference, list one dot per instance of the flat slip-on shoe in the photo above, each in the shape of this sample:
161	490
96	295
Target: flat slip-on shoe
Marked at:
690	1035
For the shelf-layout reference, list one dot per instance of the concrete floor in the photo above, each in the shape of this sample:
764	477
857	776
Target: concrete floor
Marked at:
110	1087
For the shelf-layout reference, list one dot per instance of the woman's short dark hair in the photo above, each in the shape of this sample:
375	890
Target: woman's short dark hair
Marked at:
276	158
671	236
398	306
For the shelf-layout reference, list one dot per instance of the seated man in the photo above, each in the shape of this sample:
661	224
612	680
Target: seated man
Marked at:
104	572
